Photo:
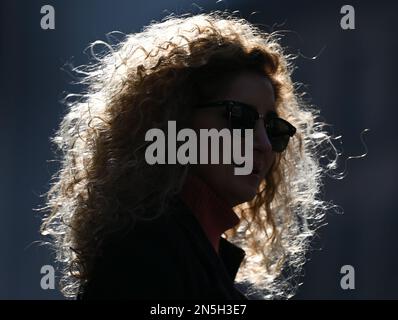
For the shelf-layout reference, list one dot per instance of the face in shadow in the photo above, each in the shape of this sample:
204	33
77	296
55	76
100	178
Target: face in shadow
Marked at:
257	91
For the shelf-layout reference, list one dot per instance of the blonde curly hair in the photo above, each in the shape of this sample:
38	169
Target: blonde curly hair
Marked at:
145	80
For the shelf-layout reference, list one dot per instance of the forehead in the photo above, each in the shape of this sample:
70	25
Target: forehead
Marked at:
253	89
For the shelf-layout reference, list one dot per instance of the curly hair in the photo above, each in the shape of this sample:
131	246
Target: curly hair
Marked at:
104	184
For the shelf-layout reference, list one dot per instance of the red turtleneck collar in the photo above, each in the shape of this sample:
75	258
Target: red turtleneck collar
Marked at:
213	214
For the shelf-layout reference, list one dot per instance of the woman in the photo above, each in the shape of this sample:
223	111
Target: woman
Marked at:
124	228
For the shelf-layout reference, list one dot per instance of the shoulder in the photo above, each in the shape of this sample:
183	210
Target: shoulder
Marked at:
146	263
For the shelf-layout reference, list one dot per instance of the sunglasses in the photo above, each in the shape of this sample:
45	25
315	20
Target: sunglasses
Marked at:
243	116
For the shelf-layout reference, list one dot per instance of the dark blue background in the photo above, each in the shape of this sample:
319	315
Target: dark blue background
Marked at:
353	82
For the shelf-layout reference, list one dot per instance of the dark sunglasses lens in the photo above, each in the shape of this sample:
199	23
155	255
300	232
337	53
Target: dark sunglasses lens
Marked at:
280	143
279	132
278	127
242	118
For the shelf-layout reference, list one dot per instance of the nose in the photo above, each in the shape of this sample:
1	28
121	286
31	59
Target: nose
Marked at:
262	143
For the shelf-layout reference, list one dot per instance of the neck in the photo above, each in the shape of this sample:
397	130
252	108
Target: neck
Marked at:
213	214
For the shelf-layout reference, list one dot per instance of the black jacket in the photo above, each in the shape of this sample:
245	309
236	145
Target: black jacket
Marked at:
168	258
